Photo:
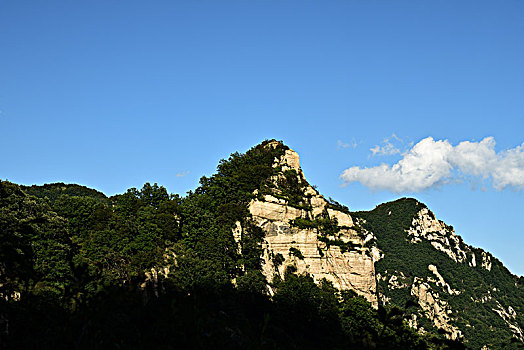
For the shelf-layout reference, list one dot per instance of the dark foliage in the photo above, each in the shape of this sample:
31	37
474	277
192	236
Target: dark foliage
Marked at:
55	190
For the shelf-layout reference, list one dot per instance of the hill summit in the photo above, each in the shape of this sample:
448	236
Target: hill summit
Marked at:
304	231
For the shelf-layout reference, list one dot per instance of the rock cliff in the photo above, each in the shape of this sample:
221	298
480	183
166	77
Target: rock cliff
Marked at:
305	232
443	238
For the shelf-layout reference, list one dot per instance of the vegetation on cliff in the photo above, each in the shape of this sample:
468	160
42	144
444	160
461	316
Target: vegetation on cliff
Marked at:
479	292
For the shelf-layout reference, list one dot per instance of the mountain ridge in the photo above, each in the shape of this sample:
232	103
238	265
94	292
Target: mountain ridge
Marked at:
427	285
440	252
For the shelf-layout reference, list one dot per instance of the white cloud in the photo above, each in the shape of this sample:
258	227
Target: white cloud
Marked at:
431	163
474	158
510	169
183	173
422	167
343	145
387	150
388	147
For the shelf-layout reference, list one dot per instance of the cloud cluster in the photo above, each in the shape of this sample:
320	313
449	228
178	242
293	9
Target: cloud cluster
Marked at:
388	148
183	173
343	145
431	163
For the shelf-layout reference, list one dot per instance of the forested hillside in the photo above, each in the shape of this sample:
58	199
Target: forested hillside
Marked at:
467	292
148	269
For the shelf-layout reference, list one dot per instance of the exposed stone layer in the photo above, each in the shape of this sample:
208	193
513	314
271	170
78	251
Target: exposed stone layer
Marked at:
442	237
301	247
510	318
434	308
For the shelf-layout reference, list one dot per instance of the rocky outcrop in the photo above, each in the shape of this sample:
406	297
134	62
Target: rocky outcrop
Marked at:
426	294
434	308
312	236
443	238
437	298
510	318
486	261
441	282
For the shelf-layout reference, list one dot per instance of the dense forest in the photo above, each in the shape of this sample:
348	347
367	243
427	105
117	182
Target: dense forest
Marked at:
148	269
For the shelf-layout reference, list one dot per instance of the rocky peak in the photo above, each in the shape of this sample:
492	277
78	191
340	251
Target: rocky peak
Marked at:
289	160
441	236
305	232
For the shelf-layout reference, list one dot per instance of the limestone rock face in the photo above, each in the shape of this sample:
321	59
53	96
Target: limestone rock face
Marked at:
510	318
441	300
434	308
442	237
296	234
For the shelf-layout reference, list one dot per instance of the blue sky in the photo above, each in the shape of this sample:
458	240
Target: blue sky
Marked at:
112	94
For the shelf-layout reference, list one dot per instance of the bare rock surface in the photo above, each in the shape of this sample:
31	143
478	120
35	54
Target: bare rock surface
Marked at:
288	244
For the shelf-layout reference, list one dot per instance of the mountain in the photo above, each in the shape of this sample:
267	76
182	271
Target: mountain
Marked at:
255	257
396	253
463	291
304	231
